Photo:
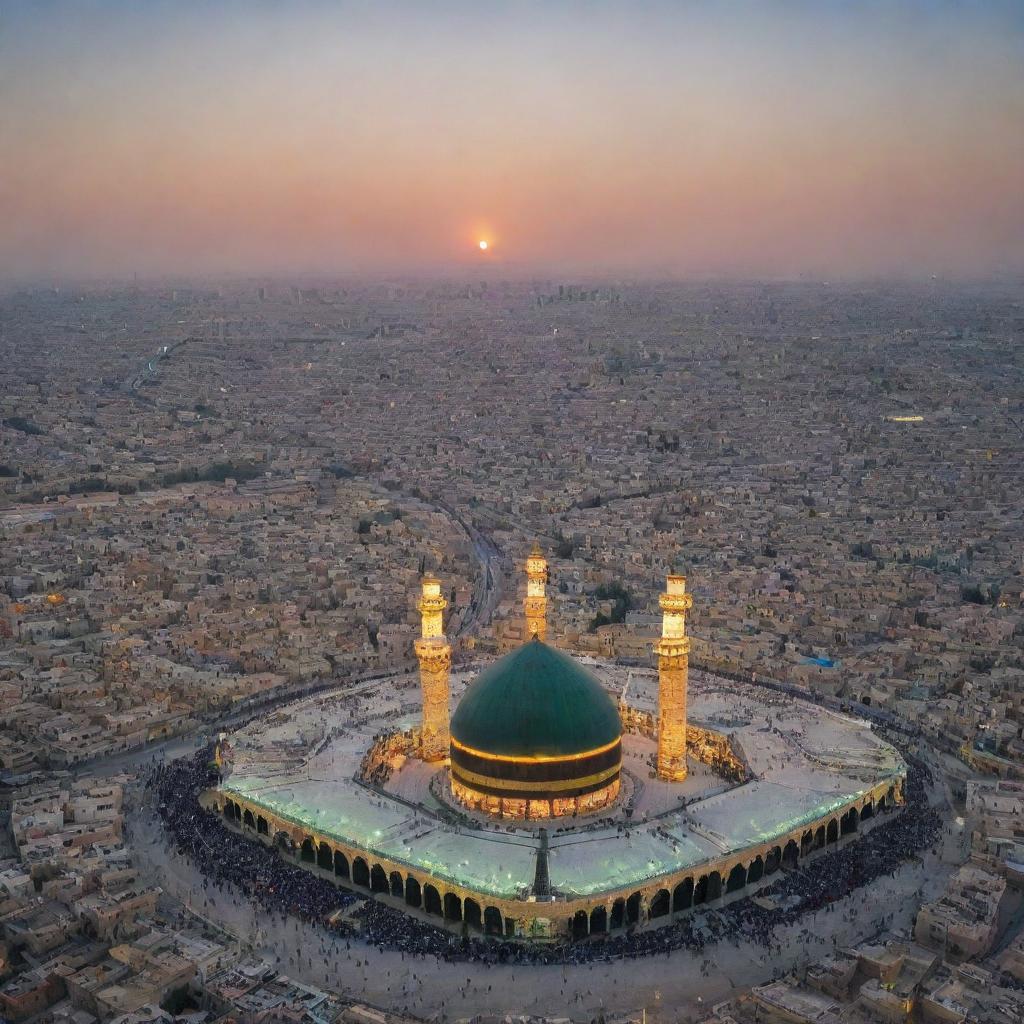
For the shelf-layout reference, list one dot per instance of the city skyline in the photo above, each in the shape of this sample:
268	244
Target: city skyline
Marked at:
511	512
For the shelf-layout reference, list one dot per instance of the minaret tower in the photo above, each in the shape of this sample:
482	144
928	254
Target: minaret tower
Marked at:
535	605
435	658
673	650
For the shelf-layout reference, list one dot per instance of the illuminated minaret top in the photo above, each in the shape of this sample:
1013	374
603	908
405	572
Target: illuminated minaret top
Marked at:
535	605
435	658
673	650
431	608
675	603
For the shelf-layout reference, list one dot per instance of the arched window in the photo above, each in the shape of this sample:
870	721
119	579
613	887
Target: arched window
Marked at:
452	907
598	921
308	851
413	895
633	908
325	857
248	820
660	904
682	896
397	889
737	879
700	891
791	854
492	922
432	901
756	871
618	913
340	864
360	872
261	826
472	914
714	885
378	879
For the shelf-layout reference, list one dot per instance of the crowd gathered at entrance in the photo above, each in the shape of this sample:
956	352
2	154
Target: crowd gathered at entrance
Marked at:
276	881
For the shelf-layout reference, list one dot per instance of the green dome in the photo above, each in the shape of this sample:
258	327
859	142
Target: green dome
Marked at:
535	701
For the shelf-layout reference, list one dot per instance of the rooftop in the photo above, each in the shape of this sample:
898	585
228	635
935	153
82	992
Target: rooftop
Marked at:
796	785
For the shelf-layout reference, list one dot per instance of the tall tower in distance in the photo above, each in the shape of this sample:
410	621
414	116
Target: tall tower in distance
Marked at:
673	650
435	658
535	605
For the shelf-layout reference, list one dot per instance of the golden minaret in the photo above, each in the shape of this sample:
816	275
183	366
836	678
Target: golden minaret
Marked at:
673	650
435	658
535	605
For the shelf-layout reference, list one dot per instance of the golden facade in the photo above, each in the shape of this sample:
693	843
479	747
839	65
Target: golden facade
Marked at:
535	605
535	735
567	761
662	899
536	786
673	650
435	657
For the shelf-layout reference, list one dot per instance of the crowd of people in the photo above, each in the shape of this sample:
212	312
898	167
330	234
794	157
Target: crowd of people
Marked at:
228	859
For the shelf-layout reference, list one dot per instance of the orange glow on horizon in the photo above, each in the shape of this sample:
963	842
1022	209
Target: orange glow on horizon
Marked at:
156	141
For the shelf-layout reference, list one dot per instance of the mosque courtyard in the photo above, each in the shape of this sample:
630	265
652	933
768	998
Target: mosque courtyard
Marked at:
662	848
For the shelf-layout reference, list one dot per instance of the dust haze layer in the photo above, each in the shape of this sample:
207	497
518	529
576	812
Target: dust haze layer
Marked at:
750	139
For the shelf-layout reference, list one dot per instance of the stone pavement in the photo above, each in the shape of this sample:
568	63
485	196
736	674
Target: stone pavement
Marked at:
668	986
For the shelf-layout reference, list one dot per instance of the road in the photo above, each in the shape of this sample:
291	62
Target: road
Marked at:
486	595
487	591
679	986
164	352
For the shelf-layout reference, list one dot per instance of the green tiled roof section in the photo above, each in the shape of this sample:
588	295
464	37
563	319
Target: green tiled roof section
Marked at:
536	701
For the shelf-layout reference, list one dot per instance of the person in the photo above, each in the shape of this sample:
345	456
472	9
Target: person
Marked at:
229	860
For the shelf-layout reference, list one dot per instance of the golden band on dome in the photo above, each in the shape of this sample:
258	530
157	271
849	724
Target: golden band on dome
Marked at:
534	758
549	786
516	806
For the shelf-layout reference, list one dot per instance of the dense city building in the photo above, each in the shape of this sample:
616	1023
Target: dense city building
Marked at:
415	648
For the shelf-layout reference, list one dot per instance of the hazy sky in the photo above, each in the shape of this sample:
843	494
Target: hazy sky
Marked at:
781	138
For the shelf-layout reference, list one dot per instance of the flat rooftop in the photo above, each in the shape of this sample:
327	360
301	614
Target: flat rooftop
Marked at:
300	763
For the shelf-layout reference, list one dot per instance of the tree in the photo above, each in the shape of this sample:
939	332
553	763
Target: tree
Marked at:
564	548
26	426
621	600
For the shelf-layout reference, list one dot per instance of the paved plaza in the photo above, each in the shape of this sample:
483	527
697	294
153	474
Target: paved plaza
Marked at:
430	986
302	765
